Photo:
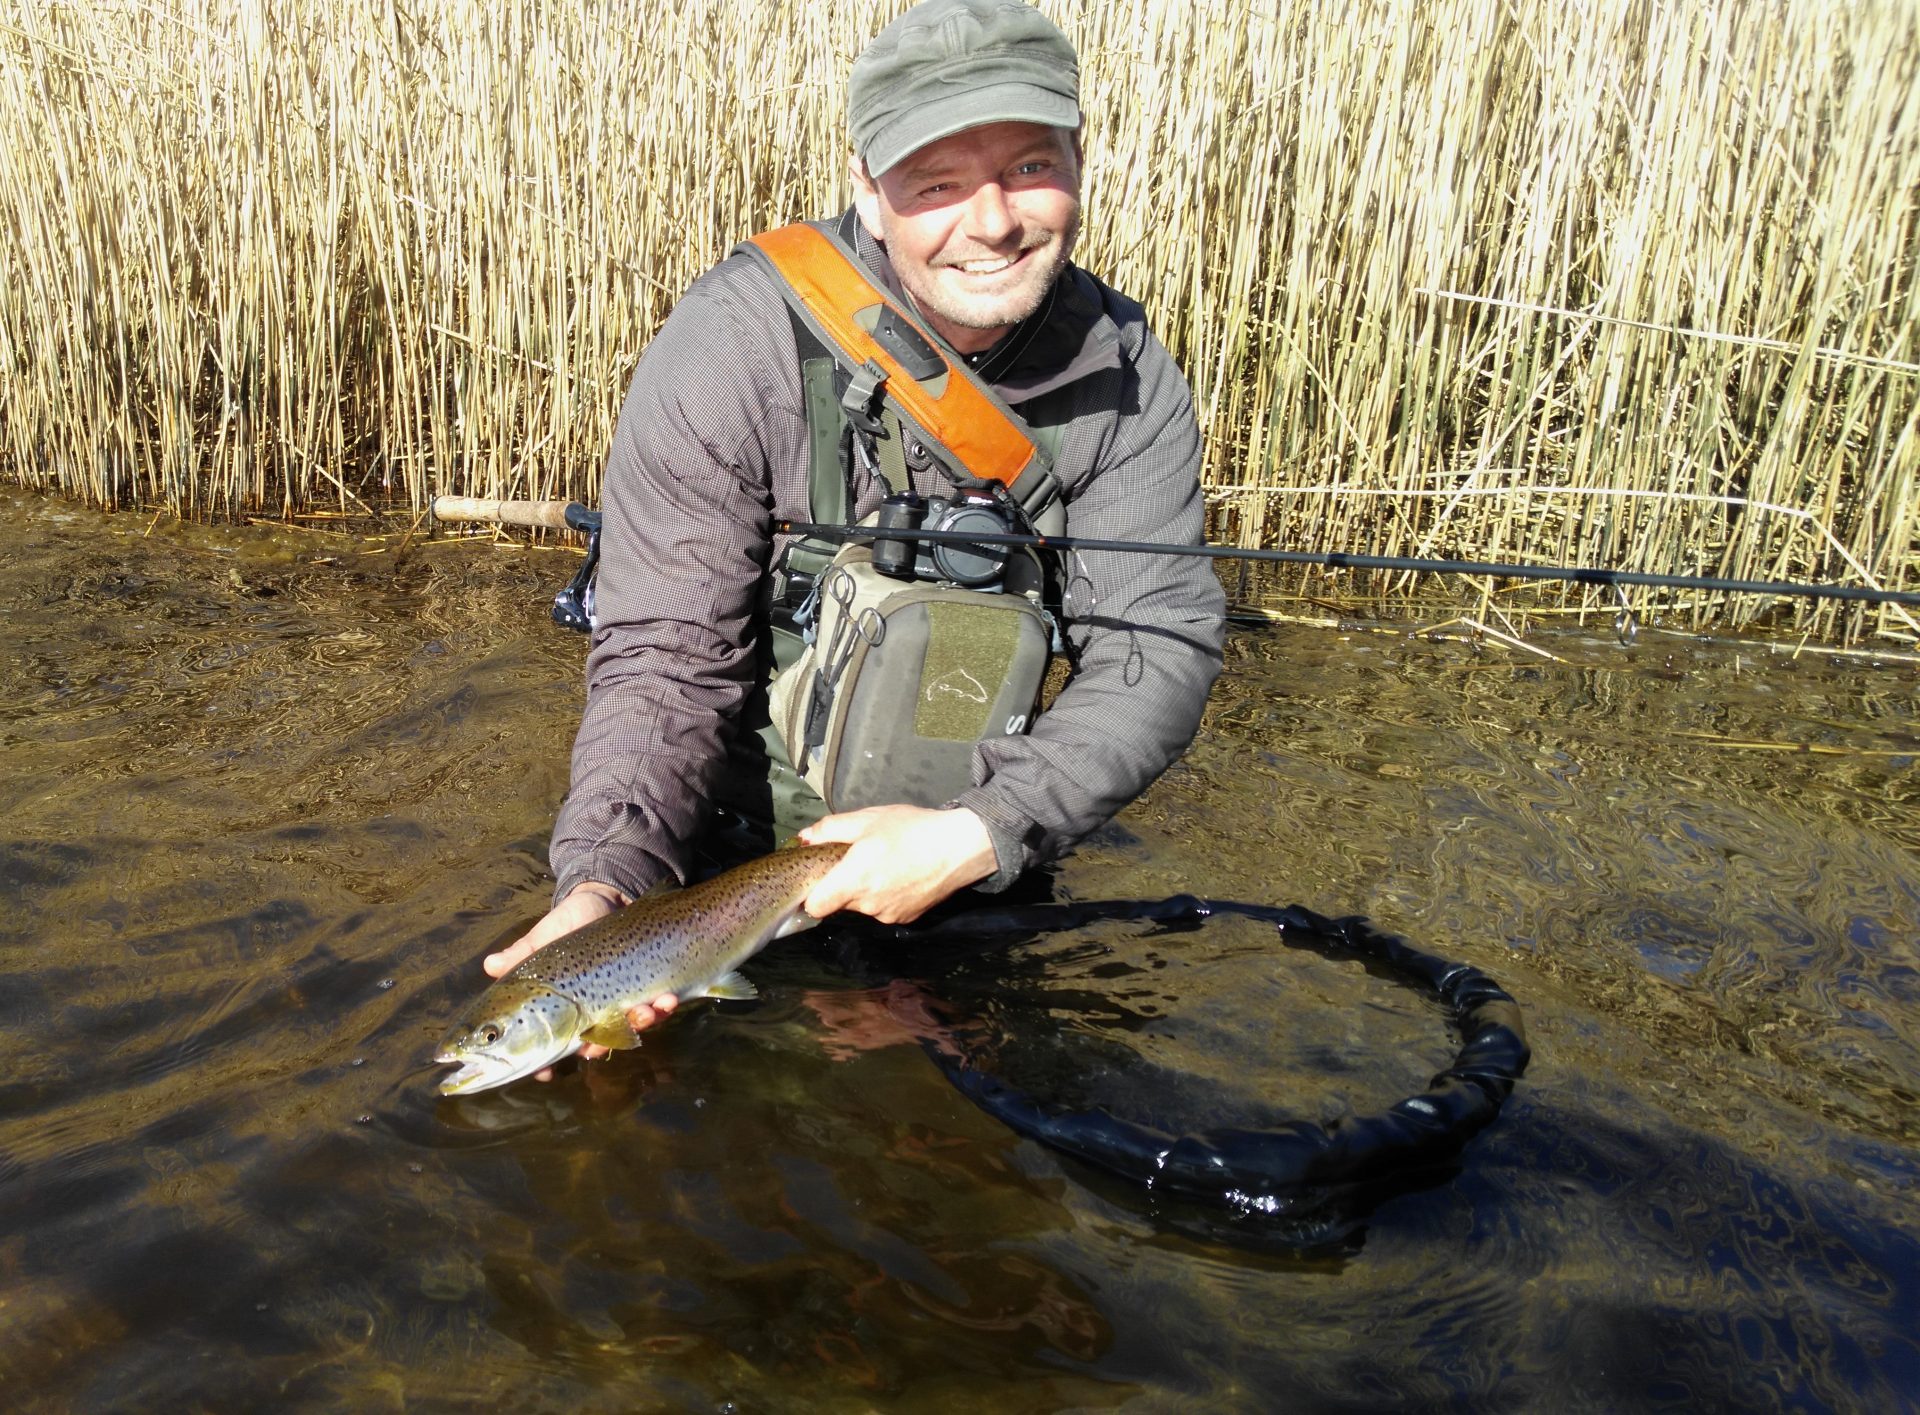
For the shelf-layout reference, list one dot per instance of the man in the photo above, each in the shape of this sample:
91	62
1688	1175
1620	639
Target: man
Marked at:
965	126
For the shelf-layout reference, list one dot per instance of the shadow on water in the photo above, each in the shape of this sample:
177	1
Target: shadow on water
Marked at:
268	796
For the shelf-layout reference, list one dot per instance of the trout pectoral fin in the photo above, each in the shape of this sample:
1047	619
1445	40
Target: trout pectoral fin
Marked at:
614	1034
733	987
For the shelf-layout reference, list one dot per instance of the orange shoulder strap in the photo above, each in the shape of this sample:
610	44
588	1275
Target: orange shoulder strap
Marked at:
854	316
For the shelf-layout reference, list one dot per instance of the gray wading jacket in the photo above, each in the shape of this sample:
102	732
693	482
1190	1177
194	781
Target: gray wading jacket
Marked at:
712	445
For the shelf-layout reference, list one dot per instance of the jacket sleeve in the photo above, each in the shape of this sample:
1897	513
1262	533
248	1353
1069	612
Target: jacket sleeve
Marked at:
684	548
1148	630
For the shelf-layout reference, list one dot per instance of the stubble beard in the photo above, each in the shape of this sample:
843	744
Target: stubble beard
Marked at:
1002	308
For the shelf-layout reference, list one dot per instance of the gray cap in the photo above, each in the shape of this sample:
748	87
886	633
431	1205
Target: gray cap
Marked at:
949	65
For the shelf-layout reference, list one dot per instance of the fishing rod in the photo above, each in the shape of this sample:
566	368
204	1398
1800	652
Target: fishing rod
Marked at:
1343	560
561	515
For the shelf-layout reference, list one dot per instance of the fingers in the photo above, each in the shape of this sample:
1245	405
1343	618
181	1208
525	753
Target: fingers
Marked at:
857	882
641	1016
831	891
498	965
848	885
857	885
866	883
584	903
843	828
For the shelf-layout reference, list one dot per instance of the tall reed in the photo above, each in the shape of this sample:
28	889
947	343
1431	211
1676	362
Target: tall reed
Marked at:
1631	282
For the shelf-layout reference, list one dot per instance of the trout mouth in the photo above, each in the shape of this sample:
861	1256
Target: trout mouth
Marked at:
544	1027
484	1070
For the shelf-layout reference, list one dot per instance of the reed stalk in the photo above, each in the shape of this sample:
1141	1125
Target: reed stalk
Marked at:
1628	282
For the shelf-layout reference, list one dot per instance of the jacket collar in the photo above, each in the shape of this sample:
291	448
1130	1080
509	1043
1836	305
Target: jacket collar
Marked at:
1068	338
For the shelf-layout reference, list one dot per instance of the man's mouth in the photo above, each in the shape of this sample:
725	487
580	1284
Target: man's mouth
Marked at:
987	266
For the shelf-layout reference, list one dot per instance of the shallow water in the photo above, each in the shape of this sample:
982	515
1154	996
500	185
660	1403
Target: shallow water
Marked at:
268	797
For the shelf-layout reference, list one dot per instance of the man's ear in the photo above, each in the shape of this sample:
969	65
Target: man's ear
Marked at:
866	197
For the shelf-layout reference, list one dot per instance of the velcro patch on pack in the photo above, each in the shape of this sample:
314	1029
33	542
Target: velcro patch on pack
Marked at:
954	701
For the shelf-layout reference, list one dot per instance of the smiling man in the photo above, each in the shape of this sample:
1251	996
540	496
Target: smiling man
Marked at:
964	121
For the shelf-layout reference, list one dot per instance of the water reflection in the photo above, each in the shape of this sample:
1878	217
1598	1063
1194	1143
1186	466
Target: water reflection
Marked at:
267	797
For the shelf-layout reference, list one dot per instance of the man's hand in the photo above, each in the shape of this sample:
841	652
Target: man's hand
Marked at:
904	860
585	902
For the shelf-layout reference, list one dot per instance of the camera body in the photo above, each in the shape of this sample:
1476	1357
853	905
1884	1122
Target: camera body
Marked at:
977	567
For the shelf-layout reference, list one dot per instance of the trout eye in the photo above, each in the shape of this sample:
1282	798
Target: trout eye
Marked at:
489	1034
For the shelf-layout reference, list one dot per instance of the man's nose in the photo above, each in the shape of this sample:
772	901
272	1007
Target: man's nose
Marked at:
990	220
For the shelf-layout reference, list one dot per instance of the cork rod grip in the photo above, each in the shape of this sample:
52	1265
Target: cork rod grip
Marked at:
551	514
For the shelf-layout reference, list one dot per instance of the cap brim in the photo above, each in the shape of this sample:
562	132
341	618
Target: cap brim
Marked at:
926	123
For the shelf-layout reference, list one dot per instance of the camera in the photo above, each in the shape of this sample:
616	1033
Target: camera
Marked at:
973	566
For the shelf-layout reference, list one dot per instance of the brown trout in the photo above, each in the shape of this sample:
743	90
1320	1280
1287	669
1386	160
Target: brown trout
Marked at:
577	989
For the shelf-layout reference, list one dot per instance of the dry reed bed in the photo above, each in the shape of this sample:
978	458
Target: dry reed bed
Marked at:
1630	282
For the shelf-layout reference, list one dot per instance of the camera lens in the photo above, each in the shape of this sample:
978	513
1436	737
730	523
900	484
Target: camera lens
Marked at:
970	565
899	512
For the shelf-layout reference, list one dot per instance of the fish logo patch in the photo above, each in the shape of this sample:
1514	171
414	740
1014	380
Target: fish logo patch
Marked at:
957	683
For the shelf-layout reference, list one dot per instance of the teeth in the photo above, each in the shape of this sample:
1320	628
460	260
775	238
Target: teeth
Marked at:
985	267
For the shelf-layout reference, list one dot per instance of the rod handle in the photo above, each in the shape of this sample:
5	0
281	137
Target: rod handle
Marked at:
551	514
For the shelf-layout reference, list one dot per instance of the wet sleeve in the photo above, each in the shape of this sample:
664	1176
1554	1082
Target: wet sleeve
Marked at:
1148	630
683	551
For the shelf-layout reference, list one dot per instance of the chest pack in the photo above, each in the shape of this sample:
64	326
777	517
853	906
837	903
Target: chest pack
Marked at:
897	658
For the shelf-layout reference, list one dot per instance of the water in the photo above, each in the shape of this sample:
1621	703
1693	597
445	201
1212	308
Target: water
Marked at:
267	798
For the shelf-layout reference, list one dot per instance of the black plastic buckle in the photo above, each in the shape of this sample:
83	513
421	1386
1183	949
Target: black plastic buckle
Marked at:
861	401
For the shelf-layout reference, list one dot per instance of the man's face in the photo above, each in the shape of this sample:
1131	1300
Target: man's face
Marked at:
978	225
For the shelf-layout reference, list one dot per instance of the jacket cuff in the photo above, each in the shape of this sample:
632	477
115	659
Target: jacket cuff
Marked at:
632	872
1008	830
